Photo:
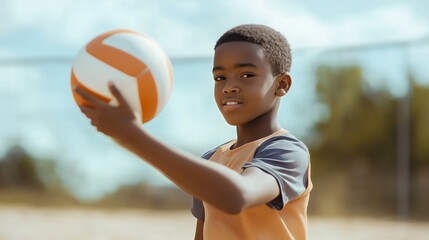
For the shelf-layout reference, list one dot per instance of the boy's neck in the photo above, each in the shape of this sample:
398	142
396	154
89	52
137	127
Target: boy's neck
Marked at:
254	130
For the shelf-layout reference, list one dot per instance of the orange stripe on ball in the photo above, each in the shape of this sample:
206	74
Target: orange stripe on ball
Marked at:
114	57
148	94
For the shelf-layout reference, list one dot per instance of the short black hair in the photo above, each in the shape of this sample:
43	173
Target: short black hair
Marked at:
275	45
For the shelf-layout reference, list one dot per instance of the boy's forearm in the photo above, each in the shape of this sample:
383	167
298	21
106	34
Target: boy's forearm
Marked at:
209	181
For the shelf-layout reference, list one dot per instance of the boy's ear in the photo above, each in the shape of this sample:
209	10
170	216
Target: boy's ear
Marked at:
284	81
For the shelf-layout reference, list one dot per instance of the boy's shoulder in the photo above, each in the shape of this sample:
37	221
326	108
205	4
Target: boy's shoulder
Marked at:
284	141
207	155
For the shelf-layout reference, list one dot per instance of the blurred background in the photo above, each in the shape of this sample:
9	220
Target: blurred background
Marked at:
358	100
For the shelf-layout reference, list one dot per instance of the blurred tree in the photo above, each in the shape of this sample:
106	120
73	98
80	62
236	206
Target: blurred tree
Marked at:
17	169
355	152
30	180
420	151
20	170
361	120
419	123
356	143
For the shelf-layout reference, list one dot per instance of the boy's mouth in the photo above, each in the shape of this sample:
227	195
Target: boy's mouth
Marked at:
230	102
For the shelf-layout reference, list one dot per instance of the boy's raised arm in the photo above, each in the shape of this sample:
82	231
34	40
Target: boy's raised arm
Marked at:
218	185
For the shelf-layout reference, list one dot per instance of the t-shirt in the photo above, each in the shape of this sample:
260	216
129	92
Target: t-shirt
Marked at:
284	157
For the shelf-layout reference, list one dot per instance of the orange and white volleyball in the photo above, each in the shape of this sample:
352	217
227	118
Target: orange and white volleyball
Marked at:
134	62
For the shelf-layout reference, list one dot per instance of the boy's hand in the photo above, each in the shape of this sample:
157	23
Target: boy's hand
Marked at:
108	119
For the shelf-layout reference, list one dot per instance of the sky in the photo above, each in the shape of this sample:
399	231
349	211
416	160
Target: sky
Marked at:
32	29
187	28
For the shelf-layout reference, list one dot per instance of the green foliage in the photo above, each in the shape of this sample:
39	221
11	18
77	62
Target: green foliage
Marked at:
17	169
419	126
361	121
355	155
29	180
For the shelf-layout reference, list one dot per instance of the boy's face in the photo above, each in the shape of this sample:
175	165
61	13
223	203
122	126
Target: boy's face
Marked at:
245	87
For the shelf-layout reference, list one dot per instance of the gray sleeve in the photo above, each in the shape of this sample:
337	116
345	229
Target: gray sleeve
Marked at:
197	205
286	159
197	208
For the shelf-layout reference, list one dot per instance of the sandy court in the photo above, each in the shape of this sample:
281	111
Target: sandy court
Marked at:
23	223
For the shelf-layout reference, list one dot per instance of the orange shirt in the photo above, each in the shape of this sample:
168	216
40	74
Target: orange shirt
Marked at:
283	218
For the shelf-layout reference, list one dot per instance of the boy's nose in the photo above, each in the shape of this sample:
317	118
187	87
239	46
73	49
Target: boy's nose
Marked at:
231	87
231	90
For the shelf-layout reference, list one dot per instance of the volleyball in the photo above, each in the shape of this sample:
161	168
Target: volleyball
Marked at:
134	62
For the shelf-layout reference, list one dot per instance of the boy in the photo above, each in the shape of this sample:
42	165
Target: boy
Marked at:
254	187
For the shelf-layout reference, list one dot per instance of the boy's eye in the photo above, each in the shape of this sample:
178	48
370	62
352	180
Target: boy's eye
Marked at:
247	75
219	78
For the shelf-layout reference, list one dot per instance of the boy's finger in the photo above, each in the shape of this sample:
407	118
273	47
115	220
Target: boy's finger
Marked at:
118	95
87	96
88	111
